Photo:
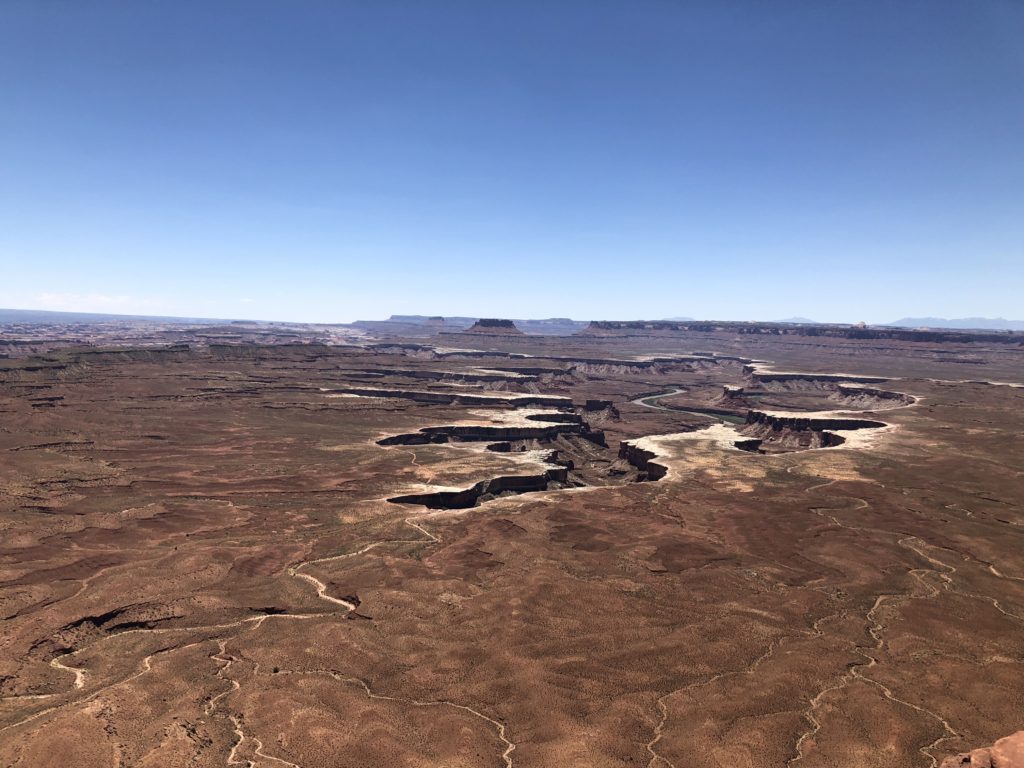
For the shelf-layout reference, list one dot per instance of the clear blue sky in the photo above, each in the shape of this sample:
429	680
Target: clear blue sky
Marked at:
327	161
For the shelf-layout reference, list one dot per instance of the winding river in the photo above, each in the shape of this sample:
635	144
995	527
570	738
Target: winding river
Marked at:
652	401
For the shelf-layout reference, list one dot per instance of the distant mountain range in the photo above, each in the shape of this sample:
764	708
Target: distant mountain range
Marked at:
973	323
550	325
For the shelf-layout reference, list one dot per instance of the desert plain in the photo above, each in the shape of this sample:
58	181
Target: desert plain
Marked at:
622	546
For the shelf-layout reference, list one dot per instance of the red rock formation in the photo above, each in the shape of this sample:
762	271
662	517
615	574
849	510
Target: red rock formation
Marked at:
1005	753
494	326
642	460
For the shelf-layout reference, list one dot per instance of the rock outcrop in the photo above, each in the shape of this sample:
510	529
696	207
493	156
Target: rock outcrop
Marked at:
489	375
799	422
1005	753
487	434
642	460
551	479
763	377
513	399
773	433
494	326
872	397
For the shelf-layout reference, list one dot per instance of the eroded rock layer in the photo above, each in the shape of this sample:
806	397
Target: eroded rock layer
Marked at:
392	552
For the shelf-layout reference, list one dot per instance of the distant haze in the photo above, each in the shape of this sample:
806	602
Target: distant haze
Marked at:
534	325
981	323
44	316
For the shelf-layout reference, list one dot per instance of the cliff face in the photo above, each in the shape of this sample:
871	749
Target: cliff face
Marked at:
459	398
1005	753
555	477
779	423
485	434
642	460
785	439
880	394
557	424
765	377
494	326
780	434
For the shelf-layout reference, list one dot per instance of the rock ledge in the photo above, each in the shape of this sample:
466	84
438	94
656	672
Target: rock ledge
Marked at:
1005	753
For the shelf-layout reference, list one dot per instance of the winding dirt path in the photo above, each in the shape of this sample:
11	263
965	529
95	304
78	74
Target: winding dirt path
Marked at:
499	727
875	629
321	590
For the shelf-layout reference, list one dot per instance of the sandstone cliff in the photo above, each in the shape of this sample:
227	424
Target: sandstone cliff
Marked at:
1005	753
494	326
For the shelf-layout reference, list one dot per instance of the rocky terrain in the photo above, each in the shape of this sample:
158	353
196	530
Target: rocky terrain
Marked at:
493	326
1008	752
859	331
643	546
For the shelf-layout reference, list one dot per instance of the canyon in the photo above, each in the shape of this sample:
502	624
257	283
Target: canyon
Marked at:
622	544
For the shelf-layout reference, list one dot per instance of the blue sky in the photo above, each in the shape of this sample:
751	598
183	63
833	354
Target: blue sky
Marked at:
327	161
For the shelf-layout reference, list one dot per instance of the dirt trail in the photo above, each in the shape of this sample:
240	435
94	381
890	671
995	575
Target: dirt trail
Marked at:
875	629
